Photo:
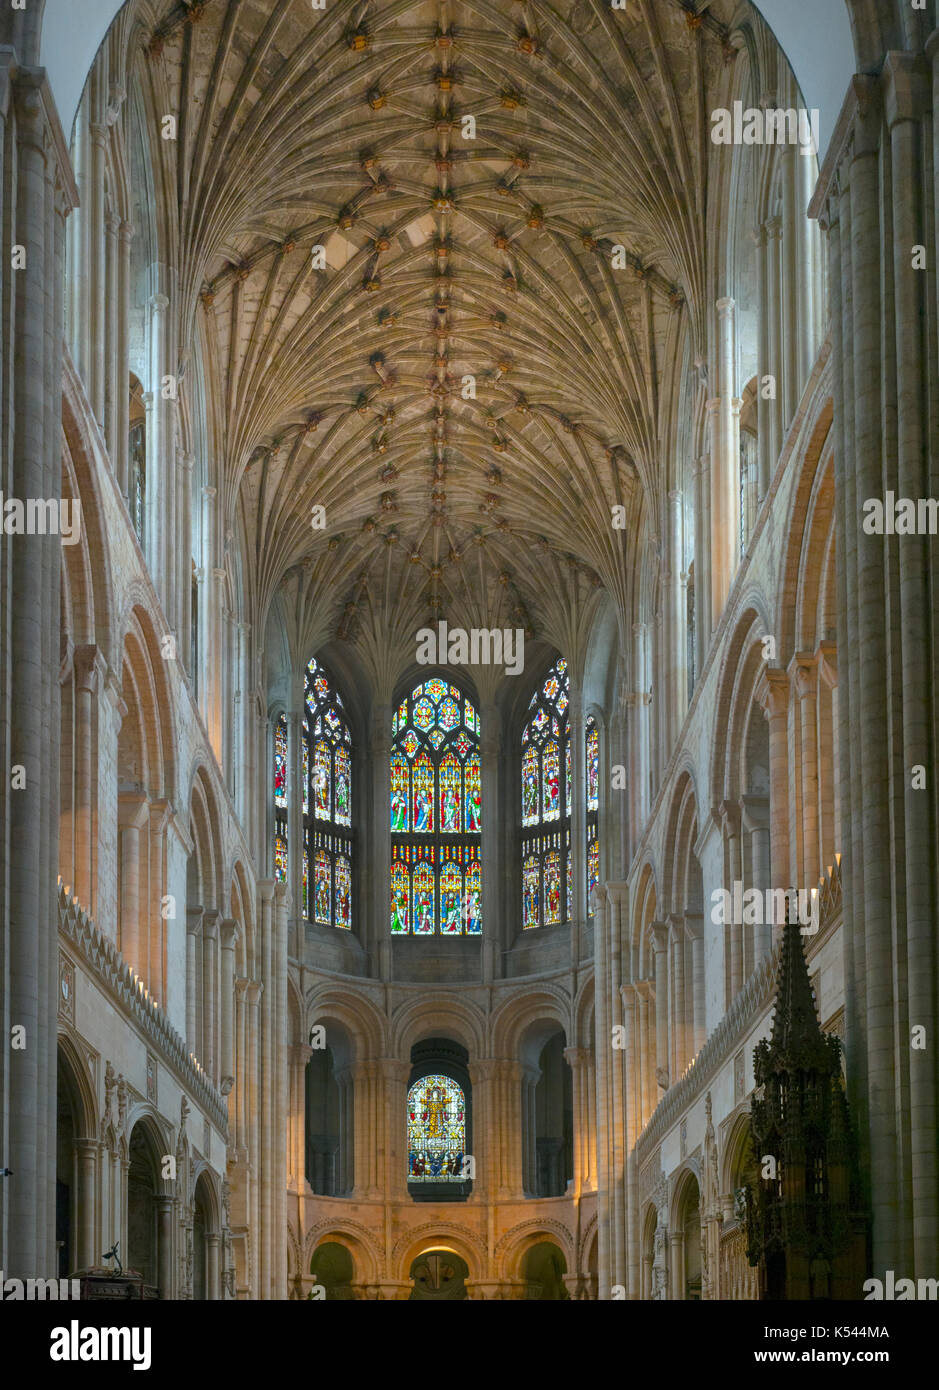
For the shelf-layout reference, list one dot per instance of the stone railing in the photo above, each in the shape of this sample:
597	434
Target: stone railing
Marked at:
753	1000
111	971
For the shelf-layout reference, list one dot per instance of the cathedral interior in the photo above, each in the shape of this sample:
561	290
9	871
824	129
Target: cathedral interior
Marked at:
469	779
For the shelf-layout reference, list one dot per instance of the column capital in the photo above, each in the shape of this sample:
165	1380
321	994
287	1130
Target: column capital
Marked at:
659	934
300	1053
90	667
694	926
906	87
132	810
726	307
801	673
827	657
772	692
159	303
210	924
576	1057
194	917
266	889
729	813
229	930
755	812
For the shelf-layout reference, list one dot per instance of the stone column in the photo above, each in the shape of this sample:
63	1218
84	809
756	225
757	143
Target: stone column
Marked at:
803	677
299	1055
773	696
254	991
660	954
89	670
279	1116
676	1264
530	1079
576	726
119	454
94	210
194	917
228	932
724	413
702	562
490	758
153	927
267	1087
576	1059
878	199
395	1076
210	993
212	1286
676	645
238	1137
765	461
376	878
733	936
694	932
164	1209
296	849
115	372
133	815
776	361
86	1203
183	624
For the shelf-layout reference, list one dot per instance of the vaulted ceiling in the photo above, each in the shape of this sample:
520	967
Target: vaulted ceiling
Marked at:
465	378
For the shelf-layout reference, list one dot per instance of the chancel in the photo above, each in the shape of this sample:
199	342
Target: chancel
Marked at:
468	671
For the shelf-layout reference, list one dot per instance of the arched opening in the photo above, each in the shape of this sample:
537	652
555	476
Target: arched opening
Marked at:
553	1120
439	1274
439	1122
543	1269
205	1240
329	1115
688	1273
143	1235
333	1271
66	1196
647	1283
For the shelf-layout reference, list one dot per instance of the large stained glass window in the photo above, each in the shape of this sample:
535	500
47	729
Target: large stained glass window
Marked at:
436	814
592	764
436	1130
280	799
546	792
327	802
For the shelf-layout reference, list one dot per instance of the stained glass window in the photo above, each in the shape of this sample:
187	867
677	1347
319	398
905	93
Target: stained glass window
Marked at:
546	801
327	802
280	799
435	814
436	1130
592	763
280	762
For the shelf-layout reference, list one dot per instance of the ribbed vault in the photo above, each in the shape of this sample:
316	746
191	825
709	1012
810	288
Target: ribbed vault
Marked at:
472	378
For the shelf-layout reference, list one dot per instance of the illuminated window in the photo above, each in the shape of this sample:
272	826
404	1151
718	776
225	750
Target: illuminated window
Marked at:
436	1130
546	797
436	814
